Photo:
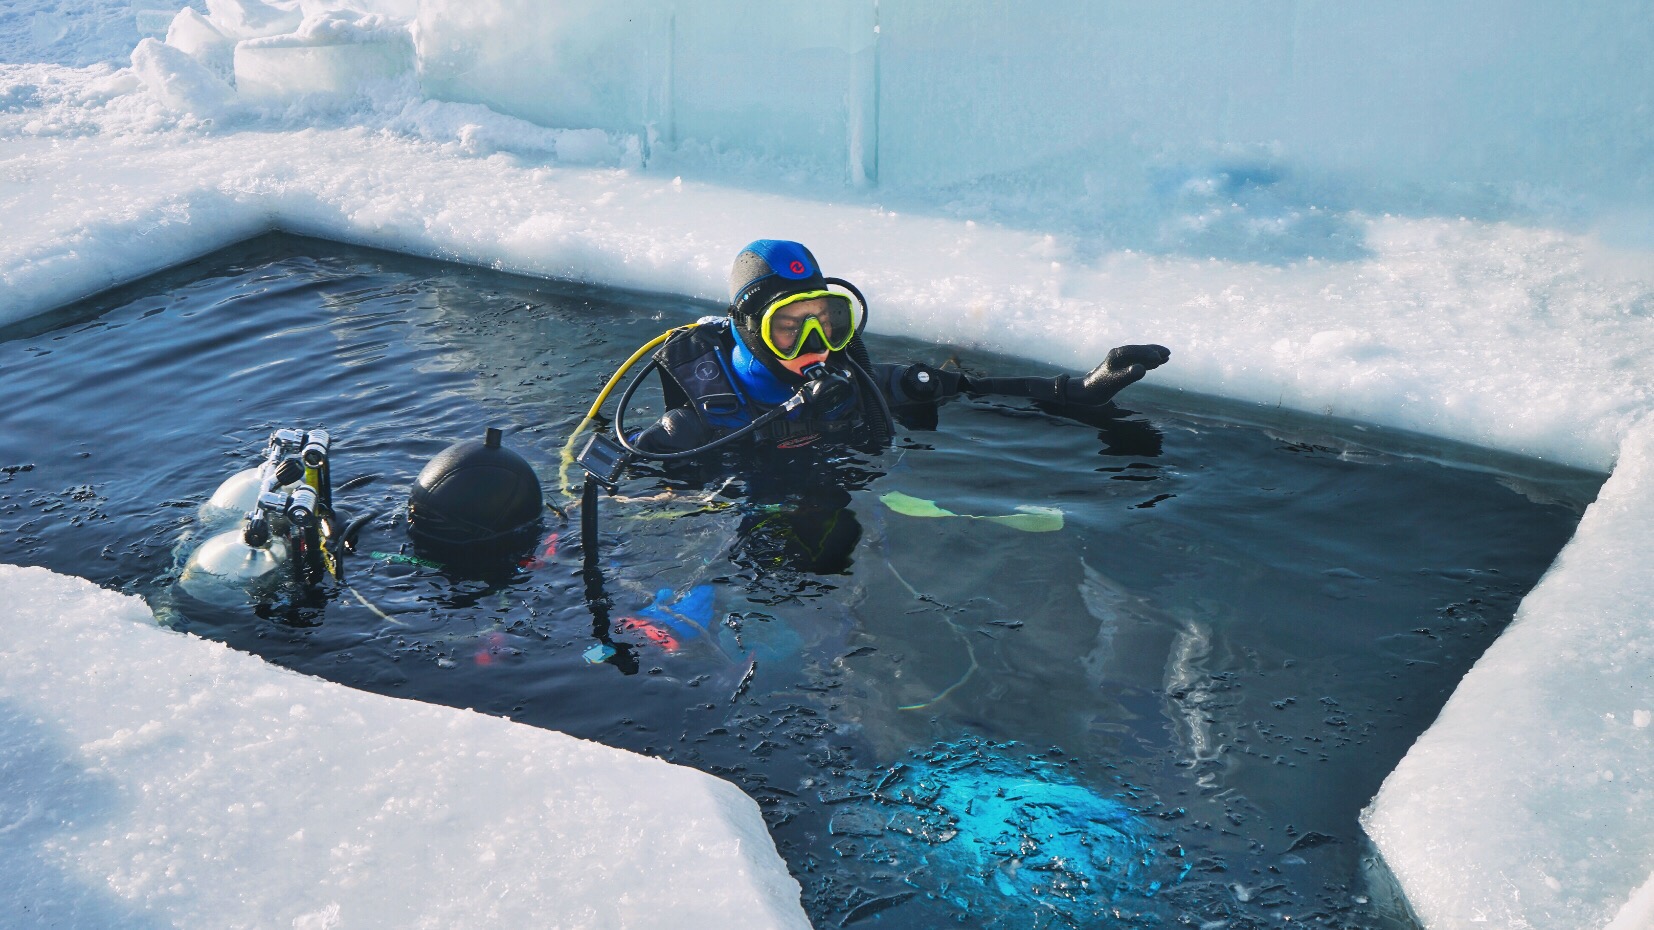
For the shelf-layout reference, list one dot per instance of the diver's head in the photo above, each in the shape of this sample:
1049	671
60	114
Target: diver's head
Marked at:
784	308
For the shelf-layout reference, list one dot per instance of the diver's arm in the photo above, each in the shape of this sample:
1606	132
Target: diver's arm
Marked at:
1124	366
921	384
917	383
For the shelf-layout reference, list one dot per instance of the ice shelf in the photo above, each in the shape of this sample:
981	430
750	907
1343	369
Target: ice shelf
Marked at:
1525	804
153	778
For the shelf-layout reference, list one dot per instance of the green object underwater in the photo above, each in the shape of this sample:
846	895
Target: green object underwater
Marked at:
1032	519
405	559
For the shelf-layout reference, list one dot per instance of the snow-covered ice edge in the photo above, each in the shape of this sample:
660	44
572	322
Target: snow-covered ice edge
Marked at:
158	779
1526	340
1524	804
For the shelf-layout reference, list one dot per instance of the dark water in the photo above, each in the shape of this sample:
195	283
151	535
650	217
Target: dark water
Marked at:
1168	712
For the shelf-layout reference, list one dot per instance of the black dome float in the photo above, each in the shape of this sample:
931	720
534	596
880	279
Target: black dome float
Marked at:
474	493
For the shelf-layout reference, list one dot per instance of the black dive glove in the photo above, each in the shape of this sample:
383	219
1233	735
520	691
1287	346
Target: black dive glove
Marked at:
1124	366
678	431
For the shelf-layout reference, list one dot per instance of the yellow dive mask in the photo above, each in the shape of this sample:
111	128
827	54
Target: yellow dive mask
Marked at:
787	322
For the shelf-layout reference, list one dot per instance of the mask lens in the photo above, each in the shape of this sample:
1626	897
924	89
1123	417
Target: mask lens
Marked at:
839	319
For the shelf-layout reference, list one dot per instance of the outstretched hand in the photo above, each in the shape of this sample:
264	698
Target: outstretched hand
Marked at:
1124	366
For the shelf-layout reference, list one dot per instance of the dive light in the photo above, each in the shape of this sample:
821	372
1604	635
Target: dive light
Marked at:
301	505
315	448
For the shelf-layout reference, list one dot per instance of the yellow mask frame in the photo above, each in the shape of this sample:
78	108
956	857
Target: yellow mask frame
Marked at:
812	322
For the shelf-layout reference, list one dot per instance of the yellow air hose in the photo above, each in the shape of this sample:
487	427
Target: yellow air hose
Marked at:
603	395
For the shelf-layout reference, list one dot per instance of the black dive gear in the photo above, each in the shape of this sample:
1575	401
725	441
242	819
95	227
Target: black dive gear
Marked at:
704	403
1124	366
826	388
255	530
830	387
295	502
699	393
723	379
475	493
289	471
618	654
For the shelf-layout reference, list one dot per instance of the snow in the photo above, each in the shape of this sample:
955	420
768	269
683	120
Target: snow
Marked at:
1429	216
157	779
251	19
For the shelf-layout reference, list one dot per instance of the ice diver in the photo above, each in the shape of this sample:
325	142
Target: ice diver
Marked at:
785	371
786	367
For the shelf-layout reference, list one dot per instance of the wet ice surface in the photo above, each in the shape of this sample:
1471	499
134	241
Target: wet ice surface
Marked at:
1171	709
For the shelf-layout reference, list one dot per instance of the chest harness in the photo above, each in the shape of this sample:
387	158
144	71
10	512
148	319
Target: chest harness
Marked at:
702	370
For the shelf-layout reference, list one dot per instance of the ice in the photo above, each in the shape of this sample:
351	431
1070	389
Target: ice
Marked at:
1537	775
80	32
196	36
1124	109
599	55
156	779
329	59
1529	340
331	55
250	19
1430	216
179	81
1638	913
476	130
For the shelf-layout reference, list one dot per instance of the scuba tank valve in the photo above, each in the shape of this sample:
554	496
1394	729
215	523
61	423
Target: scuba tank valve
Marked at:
287	519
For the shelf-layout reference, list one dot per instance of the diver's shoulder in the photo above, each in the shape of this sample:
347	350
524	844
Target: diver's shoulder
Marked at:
705	333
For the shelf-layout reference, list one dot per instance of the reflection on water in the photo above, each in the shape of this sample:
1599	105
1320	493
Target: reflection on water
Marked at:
1017	671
